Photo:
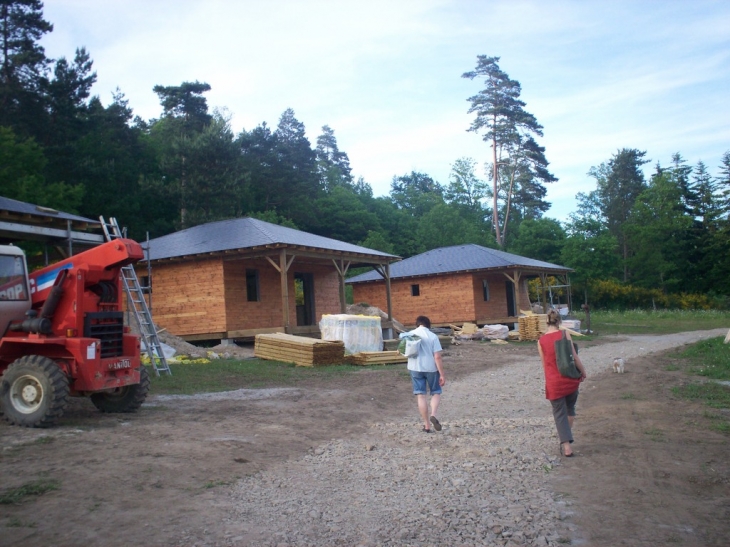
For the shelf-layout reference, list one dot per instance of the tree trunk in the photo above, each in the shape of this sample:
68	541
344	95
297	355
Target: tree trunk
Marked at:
495	210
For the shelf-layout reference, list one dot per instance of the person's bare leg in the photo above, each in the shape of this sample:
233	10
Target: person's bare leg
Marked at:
423	410
435	401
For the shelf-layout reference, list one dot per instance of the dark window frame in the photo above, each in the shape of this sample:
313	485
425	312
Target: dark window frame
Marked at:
415	290
253	287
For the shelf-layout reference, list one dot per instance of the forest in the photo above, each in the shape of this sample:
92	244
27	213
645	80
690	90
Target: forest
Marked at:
633	242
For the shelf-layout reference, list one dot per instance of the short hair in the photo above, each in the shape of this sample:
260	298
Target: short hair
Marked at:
553	317
423	320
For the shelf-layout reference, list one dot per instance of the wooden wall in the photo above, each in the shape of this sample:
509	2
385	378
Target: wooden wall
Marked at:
189	298
267	313
209	296
456	298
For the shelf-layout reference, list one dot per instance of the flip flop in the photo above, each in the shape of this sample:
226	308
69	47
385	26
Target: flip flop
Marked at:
436	423
425	430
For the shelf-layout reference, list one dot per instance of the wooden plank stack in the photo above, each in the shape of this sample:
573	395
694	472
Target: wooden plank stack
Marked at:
300	350
531	327
377	358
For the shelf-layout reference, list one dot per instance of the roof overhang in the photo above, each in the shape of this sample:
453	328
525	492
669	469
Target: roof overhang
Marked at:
524	270
263	251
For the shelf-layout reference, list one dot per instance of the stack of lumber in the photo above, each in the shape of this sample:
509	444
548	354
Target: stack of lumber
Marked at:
377	358
466	328
302	351
531	327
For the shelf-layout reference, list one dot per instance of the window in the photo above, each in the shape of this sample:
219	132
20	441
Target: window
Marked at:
485	289
415	290
12	278
252	285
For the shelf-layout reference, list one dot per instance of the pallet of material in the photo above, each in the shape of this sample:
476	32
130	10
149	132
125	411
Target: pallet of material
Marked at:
377	358
300	350
531	327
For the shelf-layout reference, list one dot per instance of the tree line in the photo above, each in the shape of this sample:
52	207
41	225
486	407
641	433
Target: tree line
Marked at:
61	147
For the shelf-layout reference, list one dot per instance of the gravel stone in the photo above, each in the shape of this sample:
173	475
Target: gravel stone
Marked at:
482	480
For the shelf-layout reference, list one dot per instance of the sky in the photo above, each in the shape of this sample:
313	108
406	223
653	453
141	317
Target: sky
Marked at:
385	75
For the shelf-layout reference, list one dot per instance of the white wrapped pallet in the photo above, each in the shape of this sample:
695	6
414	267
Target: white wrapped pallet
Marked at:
358	332
495	332
572	324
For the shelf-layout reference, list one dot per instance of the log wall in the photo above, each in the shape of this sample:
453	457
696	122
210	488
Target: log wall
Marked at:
189	300
209	296
455	298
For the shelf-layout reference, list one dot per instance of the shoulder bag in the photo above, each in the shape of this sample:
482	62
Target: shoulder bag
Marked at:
565	359
408	345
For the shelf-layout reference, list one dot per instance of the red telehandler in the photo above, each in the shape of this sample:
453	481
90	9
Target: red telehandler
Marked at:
63	335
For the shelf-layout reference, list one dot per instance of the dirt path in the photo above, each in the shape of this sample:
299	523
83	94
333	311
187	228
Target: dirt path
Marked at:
183	470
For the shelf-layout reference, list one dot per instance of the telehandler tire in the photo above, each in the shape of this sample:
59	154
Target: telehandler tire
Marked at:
33	391
123	399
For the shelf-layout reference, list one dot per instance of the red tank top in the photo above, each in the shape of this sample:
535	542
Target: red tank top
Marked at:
556	386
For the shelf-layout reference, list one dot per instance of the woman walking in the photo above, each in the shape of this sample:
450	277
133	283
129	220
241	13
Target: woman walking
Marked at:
561	391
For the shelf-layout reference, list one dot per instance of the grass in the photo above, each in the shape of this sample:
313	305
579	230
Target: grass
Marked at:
230	374
654	322
709	359
713	394
16	496
656	435
17	523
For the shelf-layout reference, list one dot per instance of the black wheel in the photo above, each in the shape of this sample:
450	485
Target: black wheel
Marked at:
123	399
34	392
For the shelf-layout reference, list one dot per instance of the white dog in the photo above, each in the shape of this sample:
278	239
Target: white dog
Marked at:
618	365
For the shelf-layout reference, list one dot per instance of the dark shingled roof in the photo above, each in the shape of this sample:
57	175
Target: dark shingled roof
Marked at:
23	208
459	258
245	233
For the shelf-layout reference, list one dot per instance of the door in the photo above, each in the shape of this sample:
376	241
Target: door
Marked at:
304	289
510	289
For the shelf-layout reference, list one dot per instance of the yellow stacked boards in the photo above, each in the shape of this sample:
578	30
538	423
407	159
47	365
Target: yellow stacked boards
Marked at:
531	327
302	351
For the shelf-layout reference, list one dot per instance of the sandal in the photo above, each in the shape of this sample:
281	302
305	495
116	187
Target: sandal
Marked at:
425	430
436	423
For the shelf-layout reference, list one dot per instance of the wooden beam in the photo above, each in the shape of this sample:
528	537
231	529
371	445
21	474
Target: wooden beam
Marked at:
204	336
251	333
283	269
342	271
388	299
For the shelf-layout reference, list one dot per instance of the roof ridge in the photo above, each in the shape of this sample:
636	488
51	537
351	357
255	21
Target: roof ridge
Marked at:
256	223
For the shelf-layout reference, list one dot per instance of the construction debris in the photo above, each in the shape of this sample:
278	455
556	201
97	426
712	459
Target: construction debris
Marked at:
302	351
377	358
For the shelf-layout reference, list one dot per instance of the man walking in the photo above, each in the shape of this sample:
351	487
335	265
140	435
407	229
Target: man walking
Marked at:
427	372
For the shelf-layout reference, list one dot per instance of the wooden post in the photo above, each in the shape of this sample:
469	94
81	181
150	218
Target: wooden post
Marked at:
543	287
284	290
283	268
342	271
387	292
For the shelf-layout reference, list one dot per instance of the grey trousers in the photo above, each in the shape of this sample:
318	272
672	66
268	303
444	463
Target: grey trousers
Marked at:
562	408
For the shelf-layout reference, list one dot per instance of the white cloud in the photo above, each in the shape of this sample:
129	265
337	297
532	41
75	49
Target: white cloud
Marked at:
386	76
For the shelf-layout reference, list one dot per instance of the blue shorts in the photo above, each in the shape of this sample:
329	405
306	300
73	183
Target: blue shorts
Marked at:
422	379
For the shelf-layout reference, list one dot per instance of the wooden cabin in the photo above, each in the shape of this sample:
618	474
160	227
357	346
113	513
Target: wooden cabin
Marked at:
237	278
456	285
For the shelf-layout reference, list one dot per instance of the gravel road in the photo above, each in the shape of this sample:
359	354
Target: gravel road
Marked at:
482	480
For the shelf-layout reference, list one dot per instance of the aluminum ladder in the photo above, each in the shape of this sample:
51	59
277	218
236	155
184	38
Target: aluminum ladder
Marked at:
137	302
